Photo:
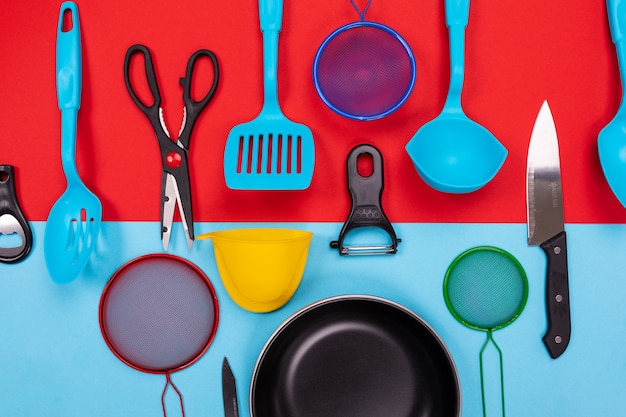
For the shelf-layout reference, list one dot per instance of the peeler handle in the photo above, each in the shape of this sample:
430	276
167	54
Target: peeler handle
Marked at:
12	219
366	193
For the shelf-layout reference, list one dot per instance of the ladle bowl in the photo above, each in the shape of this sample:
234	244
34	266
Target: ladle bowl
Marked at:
612	139
452	153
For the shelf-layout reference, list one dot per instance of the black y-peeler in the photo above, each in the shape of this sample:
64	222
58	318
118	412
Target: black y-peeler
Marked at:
366	210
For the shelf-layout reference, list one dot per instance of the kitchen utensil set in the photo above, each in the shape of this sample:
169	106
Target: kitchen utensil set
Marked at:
159	313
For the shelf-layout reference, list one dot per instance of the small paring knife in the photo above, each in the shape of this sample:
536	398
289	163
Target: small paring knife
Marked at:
229	391
546	226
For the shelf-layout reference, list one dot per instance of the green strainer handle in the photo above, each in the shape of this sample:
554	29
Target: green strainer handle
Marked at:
482	374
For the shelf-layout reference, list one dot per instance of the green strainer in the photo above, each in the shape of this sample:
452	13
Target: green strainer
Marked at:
485	288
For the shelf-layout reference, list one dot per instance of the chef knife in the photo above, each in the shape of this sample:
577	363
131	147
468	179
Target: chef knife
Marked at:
229	391
546	227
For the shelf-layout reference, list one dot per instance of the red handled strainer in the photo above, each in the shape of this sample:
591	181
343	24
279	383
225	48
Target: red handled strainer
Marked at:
159	314
364	70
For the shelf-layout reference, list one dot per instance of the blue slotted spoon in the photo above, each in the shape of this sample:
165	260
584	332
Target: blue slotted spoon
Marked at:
74	220
270	152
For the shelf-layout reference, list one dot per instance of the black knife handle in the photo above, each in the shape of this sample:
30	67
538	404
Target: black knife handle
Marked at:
557	337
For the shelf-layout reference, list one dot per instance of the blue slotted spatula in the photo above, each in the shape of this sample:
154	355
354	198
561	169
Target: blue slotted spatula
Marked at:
74	220
270	152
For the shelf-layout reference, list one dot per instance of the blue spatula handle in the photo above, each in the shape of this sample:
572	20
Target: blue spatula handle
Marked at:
457	15
617	22
69	83
69	72
271	17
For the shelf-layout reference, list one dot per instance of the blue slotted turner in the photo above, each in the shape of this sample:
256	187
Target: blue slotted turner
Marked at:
74	220
270	152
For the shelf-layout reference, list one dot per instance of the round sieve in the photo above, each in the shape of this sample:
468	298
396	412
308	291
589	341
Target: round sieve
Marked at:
364	70
159	314
486	288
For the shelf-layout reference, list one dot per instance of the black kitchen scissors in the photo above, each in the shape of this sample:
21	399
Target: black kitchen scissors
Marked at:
175	186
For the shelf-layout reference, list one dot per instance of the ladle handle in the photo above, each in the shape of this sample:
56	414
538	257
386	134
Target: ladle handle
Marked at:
617	23
457	16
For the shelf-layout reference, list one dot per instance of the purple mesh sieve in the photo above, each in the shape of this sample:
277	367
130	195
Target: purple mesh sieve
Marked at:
159	314
364	70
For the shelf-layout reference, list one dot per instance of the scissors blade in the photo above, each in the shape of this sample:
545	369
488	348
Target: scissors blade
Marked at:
172	196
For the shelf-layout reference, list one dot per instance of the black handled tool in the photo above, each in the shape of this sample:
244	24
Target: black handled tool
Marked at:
12	219
367	210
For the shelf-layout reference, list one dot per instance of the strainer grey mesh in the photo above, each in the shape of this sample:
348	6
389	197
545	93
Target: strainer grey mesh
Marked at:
158	313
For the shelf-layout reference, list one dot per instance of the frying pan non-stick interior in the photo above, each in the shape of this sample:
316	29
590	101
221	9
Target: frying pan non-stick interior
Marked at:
355	356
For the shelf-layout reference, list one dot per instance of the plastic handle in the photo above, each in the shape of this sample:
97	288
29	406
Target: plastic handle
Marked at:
457	12
457	15
69	59
557	337
12	219
617	22
271	14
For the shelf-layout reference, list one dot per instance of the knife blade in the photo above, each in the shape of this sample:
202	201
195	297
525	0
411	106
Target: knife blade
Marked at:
229	391
546	227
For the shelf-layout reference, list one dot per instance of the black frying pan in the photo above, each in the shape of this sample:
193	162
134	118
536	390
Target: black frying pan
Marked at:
355	356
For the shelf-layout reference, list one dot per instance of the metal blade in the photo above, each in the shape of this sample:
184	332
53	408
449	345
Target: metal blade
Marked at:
169	204
229	391
543	180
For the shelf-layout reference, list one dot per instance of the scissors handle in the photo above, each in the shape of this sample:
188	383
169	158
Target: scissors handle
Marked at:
153	109
193	107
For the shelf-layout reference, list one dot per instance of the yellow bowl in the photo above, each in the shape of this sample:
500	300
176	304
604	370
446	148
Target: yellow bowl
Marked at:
261	268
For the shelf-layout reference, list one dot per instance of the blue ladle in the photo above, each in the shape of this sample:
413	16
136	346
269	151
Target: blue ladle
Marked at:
452	153
612	139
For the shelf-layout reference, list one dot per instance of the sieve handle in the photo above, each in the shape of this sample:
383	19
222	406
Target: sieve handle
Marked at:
557	337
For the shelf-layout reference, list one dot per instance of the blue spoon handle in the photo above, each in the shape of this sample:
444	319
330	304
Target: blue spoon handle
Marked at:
617	22
271	17
68	82
457	15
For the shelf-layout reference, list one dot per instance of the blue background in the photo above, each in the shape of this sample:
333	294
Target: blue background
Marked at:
54	361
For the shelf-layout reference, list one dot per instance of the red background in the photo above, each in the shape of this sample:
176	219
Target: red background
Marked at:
517	55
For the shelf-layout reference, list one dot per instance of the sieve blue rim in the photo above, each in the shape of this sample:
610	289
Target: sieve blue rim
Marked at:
376	25
505	254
